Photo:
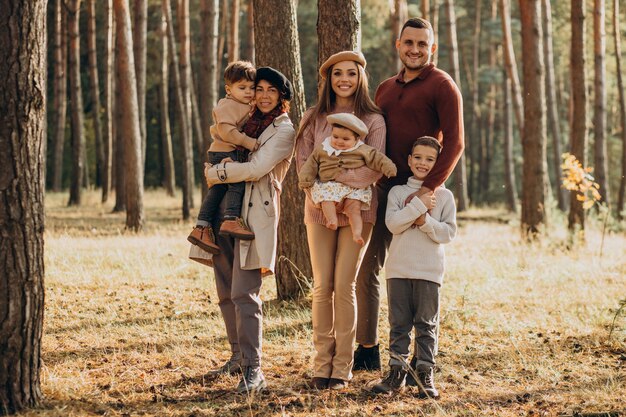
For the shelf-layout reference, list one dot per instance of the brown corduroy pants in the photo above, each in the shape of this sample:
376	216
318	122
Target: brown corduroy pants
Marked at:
335	258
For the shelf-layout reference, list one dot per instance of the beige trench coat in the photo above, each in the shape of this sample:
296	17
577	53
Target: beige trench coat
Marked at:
263	174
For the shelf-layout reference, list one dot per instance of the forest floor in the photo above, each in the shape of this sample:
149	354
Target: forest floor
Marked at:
132	326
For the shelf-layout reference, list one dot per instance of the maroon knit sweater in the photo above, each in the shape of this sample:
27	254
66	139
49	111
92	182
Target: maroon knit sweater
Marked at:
428	105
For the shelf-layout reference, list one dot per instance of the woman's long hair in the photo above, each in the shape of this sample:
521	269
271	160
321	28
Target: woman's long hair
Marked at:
363	104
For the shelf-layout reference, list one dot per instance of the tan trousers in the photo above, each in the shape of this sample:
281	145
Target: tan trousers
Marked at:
335	258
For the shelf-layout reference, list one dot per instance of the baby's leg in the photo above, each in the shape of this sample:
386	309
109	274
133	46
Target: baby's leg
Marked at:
352	209
328	208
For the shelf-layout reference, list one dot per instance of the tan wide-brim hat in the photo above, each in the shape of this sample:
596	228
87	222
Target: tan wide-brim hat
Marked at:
355	56
349	121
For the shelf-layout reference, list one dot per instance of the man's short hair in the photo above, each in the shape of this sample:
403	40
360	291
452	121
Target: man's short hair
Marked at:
418	23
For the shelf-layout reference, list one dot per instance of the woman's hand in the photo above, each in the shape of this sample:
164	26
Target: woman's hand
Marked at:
207	167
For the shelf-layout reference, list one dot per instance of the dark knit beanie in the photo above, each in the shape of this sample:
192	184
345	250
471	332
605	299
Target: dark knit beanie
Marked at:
277	79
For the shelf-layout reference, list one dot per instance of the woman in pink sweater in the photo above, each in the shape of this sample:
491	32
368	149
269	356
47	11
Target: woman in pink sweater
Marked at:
334	254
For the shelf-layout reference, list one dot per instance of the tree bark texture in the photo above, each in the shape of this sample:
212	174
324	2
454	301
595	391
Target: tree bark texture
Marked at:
510	63
209	12
601	168
554	122
129	120
434	14
183	115
534	132
509	161
166	131
108	102
223	33
140	31
60	92
578	129
460	176
338	27
474	131
76	104
250	41
622	105
233	37
399	15
23	69
283	53
95	86
425	9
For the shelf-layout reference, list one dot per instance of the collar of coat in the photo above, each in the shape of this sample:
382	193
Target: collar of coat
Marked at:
332	151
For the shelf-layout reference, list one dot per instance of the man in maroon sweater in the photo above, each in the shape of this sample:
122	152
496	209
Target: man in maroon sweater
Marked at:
421	100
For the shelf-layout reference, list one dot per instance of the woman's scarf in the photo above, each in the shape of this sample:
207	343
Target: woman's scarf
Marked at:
259	121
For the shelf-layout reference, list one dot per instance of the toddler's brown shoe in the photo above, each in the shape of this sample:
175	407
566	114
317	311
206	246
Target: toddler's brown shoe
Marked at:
204	238
236	228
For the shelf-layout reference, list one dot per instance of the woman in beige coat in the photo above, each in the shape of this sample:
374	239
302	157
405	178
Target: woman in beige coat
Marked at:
241	263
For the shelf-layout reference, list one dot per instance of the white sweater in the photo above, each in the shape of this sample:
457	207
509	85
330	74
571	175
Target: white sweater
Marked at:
417	252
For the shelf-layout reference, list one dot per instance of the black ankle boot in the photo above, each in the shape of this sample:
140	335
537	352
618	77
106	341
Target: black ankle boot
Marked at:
366	359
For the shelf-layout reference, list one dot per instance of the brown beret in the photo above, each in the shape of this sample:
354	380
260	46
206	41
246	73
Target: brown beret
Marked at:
342	56
349	121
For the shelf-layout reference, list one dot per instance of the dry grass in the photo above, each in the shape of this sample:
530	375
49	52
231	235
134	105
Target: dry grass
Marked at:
131	327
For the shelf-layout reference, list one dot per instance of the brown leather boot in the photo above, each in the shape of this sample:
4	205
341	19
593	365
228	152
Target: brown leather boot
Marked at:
204	237
236	228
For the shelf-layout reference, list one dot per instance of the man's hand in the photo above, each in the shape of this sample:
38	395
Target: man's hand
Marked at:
429	200
418	193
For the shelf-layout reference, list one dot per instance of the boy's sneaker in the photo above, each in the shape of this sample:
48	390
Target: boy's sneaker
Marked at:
427	383
366	359
204	238
236	228
393	382
252	380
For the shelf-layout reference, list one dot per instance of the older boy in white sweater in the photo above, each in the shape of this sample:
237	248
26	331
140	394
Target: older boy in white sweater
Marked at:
414	271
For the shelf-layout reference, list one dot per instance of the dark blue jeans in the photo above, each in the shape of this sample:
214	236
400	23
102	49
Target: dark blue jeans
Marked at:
231	193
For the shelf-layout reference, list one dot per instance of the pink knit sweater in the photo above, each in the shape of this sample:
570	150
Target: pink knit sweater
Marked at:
361	177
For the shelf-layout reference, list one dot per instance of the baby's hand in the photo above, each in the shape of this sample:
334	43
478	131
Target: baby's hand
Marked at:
429	200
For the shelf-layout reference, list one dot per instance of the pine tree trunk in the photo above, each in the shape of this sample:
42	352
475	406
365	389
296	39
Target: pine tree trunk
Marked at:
487	136
534	132
338	27
510	63
23	50
166	131
181	104
551	88
95	87
209	12
509	161
186	85
233	37
223	34
76	104
140	31
434	13
578	130
250	40
284	52
108	103
601	169
474	136
622	105
60	92
129	120
460	176
398	16
425	9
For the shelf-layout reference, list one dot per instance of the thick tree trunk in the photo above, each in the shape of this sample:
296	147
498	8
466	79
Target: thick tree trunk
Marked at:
95	87
140	31
250	40
622	105
60	92
509	162
129	120
76	104
284	52
578	130
233	36
510	63
184	123
601	169
460	176
166	131
118	163
23	67
209	12
554	122
534	132
338	27
108	102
